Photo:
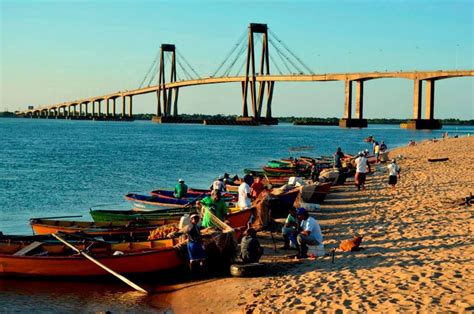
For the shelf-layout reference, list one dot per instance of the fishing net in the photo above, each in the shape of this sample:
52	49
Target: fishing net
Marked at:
219	244
262	212
163	232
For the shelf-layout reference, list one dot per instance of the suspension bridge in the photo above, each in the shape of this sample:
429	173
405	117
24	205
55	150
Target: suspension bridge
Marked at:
170	71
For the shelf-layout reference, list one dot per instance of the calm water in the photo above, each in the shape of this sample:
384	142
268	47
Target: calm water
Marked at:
55	168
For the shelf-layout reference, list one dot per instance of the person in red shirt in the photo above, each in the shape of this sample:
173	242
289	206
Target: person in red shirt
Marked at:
257	187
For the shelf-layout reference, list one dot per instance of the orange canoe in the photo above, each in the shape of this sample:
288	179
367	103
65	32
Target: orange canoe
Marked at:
48	226
57	260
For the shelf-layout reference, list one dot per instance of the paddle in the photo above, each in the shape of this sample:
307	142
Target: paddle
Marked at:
58	217
128	282
191	202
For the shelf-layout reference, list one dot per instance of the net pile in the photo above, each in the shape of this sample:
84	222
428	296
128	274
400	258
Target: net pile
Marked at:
162	232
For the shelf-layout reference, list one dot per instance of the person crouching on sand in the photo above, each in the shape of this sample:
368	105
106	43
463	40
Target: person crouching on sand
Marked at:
310	233
394	173
250	249
290	229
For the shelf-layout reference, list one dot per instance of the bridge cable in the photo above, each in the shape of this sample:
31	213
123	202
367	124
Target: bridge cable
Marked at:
291	52
185	71
152	66
234	47
289	59
283	59
275	64
239	54
188	64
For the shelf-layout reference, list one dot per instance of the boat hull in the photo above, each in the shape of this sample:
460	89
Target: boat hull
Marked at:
78	266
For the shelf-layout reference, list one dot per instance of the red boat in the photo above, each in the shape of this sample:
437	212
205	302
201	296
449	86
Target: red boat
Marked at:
57	260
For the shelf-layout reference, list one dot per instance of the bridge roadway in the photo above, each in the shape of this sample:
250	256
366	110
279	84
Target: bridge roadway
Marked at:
348	77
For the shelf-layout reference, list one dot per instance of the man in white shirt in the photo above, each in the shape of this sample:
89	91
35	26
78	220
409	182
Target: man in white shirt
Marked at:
393	173
361	164
244	196
310	233
219	185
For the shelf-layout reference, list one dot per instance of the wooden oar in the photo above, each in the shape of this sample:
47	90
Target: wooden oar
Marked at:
194	200
128	282
57	217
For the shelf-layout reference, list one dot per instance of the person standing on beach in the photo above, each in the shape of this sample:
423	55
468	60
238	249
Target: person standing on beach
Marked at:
218	185
197	257
180	189
257	187
361	170
338	155
376	151
383	147
394	173
215	205
244	196
310	233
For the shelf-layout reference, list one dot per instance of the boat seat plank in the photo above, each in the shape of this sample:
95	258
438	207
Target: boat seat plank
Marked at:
27	249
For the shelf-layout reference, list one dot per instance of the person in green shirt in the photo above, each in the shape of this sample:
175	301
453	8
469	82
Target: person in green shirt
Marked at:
180	189
215	205
289	229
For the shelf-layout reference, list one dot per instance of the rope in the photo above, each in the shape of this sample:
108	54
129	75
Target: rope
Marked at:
298	69
218	224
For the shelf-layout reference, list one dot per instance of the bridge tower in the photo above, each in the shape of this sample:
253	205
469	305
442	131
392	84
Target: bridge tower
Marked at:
251	74
165	95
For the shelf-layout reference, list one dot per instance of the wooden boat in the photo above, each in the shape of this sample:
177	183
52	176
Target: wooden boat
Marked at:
151	203
54	259
193	195
288	197
315	193
237	218
149	217
90	228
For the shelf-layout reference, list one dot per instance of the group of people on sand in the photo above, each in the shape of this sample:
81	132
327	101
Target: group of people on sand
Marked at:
301	230
362	165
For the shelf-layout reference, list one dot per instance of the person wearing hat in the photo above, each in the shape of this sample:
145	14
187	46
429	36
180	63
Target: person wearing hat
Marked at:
215	205
218	185
393	173
197	256
180	189
310	233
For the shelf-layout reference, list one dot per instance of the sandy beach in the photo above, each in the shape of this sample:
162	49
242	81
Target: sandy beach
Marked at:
418	247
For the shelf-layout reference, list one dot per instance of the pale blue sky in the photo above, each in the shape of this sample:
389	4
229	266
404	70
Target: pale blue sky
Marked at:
55	51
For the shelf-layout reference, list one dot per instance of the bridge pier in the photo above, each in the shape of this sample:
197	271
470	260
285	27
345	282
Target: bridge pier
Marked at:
417	123
347	121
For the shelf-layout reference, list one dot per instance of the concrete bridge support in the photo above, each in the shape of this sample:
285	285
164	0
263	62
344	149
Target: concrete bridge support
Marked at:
113	108
347	121
417	123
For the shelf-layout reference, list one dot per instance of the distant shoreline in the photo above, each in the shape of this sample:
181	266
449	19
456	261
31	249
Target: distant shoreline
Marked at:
333	121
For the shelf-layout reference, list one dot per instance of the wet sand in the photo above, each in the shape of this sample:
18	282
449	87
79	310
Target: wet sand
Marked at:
418	247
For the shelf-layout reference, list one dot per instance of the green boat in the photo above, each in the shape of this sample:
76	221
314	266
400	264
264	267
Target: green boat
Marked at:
149	217
260	172
279	164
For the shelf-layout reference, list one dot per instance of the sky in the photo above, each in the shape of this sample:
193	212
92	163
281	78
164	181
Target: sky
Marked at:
57	51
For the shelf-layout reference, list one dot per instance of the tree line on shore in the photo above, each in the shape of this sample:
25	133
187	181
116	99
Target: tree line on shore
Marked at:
294	120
